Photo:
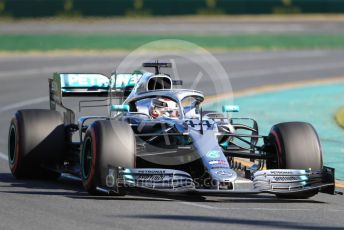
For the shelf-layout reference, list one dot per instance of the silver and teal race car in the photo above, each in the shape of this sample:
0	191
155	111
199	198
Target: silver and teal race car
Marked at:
156	138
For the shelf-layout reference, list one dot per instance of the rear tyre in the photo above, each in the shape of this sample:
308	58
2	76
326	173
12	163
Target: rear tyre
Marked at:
296	145
35	143
106	143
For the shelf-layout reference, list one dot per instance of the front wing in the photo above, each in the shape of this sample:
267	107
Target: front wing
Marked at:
168	181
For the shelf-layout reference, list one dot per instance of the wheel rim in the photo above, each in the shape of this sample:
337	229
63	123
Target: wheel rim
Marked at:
12	148
87	157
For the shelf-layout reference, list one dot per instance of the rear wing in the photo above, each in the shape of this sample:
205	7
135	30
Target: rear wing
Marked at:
90	85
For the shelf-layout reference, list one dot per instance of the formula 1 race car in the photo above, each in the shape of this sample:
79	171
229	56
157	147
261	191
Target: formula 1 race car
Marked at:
157	138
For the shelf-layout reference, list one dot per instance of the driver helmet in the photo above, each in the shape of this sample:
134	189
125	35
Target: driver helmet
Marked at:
163	106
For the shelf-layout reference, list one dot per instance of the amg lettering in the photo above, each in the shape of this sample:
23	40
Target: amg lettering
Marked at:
286	178
151	178
281	172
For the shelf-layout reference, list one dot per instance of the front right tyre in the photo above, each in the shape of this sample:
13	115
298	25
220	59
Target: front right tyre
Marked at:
106	144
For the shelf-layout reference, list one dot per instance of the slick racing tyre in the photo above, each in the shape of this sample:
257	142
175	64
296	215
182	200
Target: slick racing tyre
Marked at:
106	143
36	142
296	145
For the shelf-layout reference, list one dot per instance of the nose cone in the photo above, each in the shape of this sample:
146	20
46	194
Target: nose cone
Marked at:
223	175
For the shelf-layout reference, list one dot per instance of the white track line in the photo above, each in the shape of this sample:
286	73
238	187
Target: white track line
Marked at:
256	209
65	68
24	103
50	70
3	156
69	176
197	205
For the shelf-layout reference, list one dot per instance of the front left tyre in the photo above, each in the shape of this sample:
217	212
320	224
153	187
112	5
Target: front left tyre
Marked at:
296	145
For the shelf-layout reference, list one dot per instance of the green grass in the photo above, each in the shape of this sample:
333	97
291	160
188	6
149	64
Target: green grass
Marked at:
339	117
27	42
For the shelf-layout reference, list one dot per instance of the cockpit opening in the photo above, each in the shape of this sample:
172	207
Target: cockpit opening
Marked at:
159	82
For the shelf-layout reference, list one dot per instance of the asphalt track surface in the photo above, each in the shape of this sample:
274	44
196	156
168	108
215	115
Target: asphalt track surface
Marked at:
196	25
64	204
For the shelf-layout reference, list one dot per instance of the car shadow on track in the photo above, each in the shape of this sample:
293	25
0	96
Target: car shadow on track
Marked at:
72	188
263	199
62	187
39	186
232	221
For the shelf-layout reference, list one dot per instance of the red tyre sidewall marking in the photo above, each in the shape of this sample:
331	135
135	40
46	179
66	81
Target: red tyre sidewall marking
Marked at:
90	178
279	146
15	164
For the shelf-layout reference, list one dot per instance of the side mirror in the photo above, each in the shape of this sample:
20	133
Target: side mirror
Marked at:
120	108
230	108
